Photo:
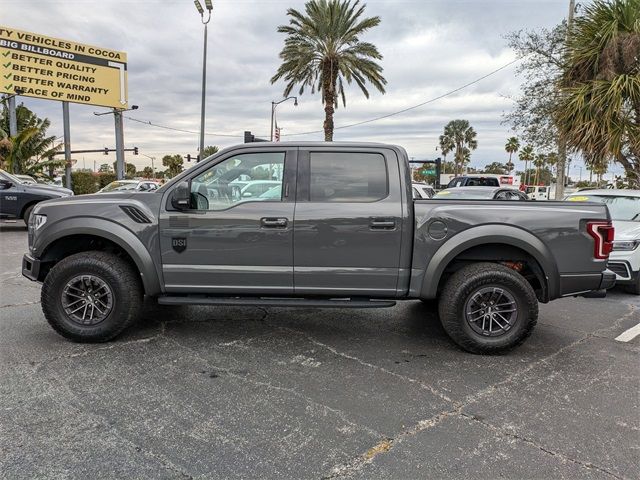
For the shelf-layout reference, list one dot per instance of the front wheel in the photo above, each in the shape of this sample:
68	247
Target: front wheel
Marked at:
488	308
91	296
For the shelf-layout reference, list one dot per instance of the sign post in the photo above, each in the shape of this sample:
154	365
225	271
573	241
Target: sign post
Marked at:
67	144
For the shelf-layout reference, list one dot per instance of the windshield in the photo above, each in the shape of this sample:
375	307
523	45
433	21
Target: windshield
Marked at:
621	208
120	186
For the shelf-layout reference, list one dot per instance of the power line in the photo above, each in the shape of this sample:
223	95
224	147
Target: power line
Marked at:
431	100
375	119
166	127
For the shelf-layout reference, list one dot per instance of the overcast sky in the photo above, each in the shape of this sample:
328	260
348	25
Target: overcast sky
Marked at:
429	47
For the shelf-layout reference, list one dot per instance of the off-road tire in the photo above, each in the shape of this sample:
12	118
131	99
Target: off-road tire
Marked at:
469	280
27	214
121	277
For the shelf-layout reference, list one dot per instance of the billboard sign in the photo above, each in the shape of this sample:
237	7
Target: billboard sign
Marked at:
55	69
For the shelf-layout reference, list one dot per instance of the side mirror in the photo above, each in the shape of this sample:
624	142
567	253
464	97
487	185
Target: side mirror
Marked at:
5	184
181	196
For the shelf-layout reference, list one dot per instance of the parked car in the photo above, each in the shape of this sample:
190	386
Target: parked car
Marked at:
538	192
255	188
26	179
345	233
124	185
422	191
484	180
624	207
17	199
481	193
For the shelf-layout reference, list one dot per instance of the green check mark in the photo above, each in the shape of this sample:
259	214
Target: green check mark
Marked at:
6	54
6	65
7	75
8	87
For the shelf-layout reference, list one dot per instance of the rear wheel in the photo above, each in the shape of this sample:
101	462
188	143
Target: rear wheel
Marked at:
91	296
488	308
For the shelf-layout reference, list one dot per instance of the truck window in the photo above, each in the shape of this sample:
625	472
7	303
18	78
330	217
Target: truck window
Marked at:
348	177
239	179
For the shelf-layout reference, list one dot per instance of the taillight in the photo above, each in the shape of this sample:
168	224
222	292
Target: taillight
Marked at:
602	233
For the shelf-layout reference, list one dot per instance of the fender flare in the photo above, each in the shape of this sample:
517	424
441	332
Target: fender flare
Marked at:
485	234
109	230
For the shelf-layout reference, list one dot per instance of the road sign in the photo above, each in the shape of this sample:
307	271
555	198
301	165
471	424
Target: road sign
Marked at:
55	69
429	171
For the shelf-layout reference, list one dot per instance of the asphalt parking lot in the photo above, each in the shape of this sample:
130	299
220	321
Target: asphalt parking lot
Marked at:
283	393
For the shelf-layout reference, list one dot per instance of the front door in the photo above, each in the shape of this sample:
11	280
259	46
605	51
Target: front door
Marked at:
348	223
237	235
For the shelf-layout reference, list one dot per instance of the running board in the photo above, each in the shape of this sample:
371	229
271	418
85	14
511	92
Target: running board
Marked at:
274	302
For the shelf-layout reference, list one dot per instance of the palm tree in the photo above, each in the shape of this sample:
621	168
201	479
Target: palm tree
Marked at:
463	137
323	50
31	150
539	162
446	146
511	147
552	161
599	113
526	155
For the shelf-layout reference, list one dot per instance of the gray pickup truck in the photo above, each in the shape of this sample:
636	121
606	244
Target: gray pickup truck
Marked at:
313	225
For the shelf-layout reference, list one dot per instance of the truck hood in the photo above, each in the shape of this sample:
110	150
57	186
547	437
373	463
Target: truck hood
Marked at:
626	230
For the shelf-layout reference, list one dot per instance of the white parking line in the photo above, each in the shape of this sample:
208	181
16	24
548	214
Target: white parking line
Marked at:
629	335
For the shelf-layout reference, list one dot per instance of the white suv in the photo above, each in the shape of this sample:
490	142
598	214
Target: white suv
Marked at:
624	207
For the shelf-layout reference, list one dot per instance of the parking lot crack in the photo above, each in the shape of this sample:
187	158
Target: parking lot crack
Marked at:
505	433
84	353
384	370
291	391
386	445
20	304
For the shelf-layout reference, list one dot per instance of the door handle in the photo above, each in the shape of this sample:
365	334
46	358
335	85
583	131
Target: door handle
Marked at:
271	222
382	224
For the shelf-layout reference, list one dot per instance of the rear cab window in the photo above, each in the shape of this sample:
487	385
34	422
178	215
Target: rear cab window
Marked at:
347	177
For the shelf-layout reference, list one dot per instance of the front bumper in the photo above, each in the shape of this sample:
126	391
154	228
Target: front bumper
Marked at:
30	267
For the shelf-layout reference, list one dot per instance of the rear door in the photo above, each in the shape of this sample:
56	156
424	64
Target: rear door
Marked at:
348	222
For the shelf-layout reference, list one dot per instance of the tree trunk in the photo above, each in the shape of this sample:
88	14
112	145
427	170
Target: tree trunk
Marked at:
631	170
329	77
562	161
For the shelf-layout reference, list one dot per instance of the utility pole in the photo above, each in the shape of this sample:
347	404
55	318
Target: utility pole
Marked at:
117	115
67	144
562	143
13	122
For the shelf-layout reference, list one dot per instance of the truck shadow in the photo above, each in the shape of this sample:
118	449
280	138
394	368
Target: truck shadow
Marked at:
407	319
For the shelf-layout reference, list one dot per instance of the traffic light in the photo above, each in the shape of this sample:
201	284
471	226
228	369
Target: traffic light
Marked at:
135	150
106	150
249	138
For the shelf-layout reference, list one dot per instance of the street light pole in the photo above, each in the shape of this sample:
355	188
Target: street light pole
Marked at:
153	168
209	6
273	110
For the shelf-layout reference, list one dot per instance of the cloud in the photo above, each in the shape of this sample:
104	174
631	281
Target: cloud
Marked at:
429	48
